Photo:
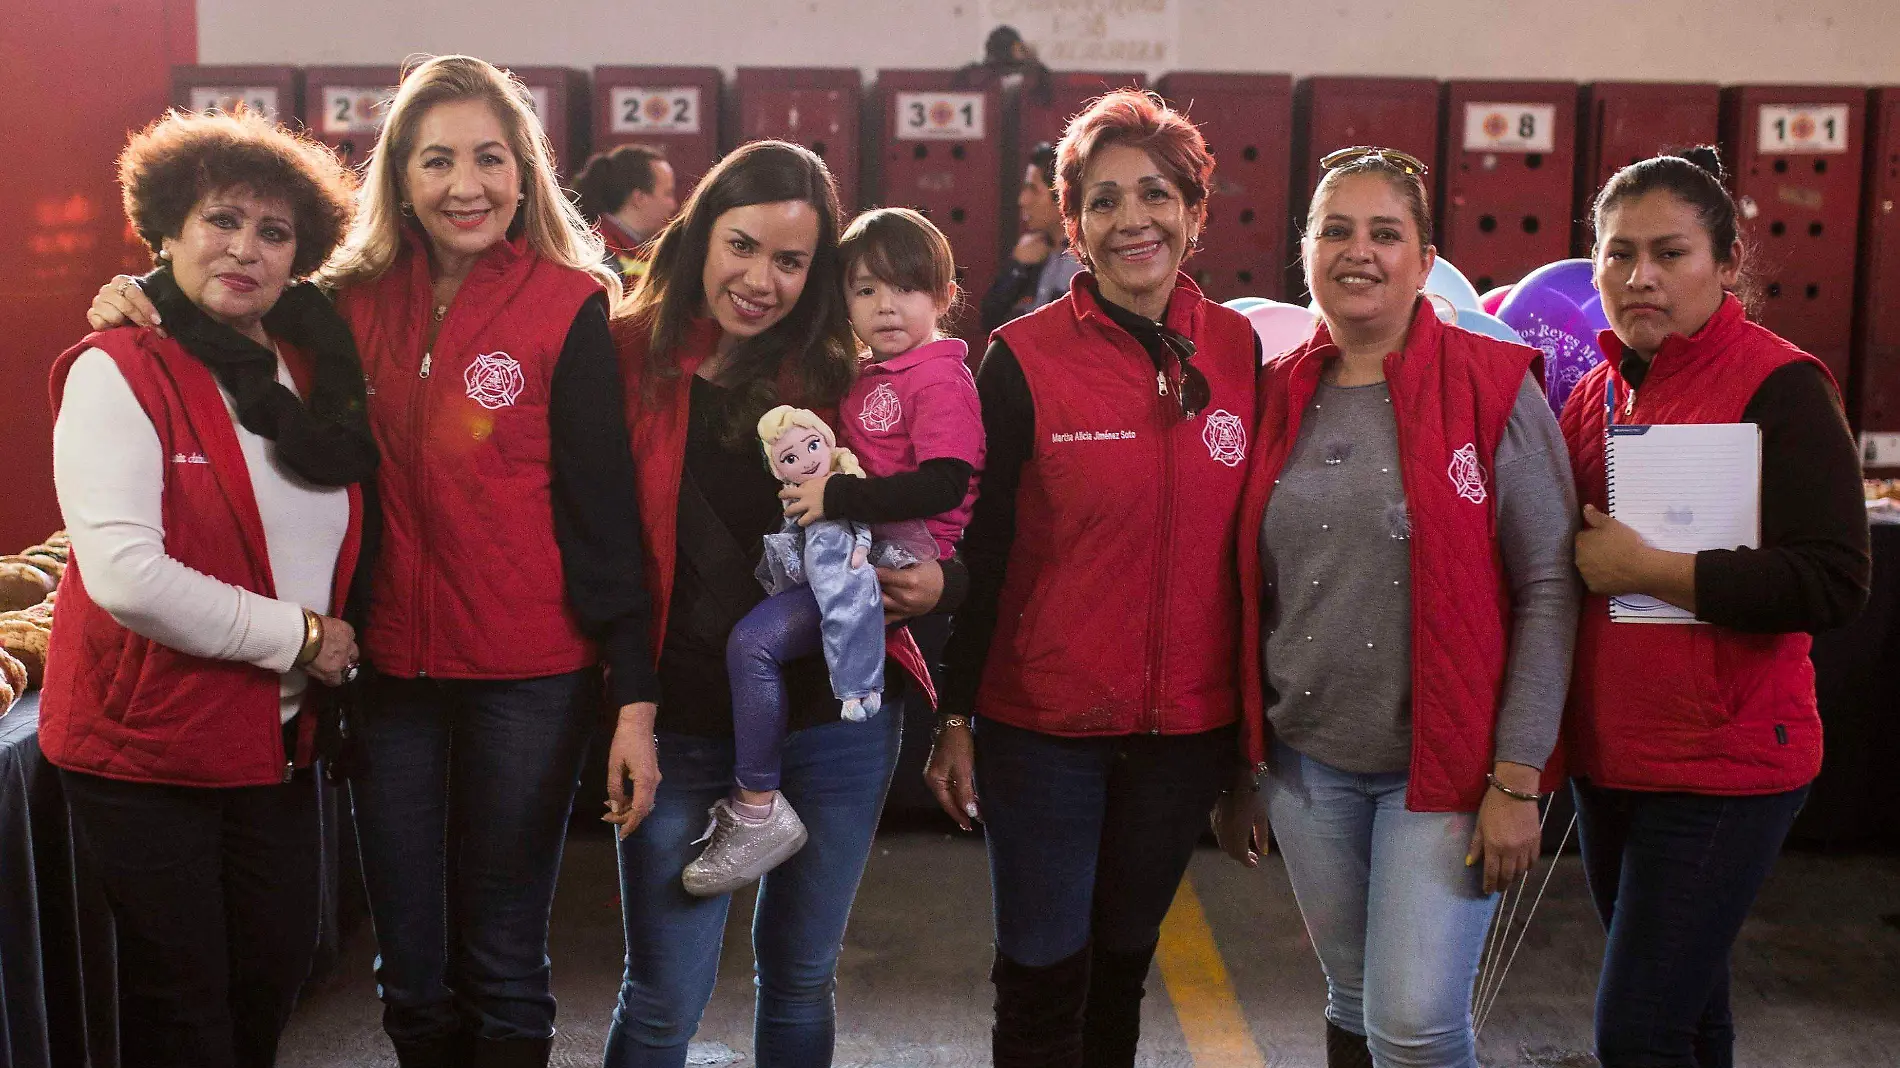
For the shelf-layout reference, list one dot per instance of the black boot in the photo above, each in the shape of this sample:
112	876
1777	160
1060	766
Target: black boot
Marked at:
1111	1022
1345	1049
1039	1012
450	1052
512	1052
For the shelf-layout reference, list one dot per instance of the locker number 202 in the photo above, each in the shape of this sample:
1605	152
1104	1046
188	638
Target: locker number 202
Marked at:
645	110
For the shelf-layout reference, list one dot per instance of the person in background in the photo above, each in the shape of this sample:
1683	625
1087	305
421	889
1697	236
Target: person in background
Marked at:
1408	607
1041	264
1098	648
629	193
209	482
1692	748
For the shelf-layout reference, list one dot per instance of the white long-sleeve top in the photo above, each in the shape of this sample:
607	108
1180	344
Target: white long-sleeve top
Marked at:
108	471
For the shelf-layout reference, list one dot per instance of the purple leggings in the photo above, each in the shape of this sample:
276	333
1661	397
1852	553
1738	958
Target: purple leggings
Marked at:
780	629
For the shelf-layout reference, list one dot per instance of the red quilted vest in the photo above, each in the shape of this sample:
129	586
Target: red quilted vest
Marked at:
468	583
1696	708
126	707
1452	395
1120	610
656	419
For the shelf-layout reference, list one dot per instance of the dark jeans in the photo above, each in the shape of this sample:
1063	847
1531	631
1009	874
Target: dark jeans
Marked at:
214	899
835	776
461	812
1089	837
1674	876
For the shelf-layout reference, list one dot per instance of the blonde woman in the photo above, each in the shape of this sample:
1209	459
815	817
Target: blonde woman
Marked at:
509	563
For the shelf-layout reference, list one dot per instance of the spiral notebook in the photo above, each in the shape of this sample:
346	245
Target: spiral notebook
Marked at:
1684	487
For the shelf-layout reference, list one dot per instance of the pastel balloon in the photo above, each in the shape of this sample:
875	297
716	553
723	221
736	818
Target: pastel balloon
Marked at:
1490	301
1451	283
1489	325
1280	327
1241	304
1556	308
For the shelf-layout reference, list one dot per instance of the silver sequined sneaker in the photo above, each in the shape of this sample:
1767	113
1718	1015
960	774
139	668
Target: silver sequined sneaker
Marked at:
741	852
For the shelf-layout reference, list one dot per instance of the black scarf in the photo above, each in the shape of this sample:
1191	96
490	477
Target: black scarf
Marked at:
325	441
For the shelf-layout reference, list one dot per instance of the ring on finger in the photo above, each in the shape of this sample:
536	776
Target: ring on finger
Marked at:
123	285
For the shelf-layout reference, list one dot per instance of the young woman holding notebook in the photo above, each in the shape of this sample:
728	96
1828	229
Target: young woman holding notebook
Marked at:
1692	746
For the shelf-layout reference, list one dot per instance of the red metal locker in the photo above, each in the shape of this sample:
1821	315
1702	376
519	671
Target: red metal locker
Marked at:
672	108
560	99
814	107
941	150
1794	154
277	92
1045	119
1334	113
1625	122
1510	169
1877	332
344	107
1247	120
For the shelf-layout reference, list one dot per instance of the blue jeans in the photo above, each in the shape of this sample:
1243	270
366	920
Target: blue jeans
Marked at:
835	777
461	812
1396	917
1673	876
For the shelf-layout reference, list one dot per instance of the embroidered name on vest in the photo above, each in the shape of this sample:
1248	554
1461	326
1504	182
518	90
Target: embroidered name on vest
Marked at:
1467	477
193	458
494	380
1056	438
1225	437
881	409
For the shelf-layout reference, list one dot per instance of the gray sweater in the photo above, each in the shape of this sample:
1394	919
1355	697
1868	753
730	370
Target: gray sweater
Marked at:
1336	649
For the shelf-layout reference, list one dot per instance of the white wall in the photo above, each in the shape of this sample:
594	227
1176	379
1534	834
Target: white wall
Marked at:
1758	41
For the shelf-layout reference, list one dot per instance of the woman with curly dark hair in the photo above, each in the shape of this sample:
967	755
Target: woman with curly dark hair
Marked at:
209	481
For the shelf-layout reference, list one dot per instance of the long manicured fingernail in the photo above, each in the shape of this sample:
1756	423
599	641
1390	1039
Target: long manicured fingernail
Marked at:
970	810
1469	860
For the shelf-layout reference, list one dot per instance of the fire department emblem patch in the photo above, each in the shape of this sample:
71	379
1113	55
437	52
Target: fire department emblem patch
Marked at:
494	380
1467	477
1225	437
881	409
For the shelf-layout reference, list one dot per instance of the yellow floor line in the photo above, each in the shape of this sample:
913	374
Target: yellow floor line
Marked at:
1191	967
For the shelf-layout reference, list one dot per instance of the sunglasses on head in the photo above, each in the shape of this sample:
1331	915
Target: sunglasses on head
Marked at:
1194	393
1404	162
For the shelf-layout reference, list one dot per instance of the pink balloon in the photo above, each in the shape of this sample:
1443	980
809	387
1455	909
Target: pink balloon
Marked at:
1491	300
1280	327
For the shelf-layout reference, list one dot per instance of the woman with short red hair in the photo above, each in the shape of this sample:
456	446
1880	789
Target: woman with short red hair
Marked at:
1096	652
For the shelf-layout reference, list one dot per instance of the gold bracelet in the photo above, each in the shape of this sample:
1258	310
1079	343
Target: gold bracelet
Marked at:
1515	795
945	723
312	639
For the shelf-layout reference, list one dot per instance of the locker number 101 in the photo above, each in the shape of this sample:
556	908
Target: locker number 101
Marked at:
1794	128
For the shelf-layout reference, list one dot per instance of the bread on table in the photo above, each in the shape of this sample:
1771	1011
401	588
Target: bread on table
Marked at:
13	673
54	566
22	584
28	644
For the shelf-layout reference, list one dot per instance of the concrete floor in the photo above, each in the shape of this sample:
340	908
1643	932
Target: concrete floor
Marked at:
1817	973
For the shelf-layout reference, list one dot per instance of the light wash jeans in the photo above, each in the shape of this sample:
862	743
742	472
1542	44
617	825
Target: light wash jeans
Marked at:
1397	918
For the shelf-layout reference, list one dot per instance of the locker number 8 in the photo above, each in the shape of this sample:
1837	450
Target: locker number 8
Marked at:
644	110
1510	127
939	116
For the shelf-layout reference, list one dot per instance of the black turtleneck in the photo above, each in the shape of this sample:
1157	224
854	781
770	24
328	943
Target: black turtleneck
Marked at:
1812	571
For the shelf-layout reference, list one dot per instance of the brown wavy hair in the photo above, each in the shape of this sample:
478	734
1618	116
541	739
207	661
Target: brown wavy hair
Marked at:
173	164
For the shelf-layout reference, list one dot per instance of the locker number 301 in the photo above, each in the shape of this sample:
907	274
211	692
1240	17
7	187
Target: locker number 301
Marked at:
940	116
1793	128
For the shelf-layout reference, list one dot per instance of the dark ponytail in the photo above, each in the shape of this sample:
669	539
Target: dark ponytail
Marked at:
1695	176
609	178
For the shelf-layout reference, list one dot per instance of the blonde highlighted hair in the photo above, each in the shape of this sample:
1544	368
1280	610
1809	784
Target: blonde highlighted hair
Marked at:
774	424
553	226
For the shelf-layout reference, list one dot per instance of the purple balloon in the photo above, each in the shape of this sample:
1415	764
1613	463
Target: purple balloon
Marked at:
1557	309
